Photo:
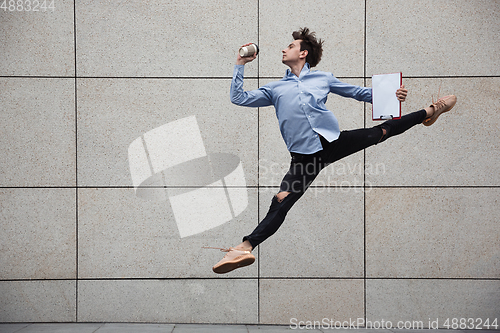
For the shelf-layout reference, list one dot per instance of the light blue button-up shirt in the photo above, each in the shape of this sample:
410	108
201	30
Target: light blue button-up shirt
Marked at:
300	105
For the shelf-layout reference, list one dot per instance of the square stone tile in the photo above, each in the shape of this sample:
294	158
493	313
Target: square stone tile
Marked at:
302	302
432	233
441	38
271	329
37	233
197	328
274	158
341	26
133	328
121	235
37	301
175	38
177	301
11	328
456	150
115	114
429	303
38	132
61	328
37	40
322	236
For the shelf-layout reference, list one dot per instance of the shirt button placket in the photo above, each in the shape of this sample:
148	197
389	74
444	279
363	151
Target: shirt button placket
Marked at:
301	99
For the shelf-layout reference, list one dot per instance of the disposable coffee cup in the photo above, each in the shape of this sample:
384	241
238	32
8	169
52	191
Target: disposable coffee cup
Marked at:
249	50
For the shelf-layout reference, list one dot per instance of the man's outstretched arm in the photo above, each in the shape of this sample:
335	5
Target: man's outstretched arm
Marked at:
360	93
254	98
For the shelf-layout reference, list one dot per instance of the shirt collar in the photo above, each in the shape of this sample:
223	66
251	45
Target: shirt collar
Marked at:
305	70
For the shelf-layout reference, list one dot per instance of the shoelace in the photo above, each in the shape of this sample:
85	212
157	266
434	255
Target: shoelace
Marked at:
223	249
217	248
439	92
439	104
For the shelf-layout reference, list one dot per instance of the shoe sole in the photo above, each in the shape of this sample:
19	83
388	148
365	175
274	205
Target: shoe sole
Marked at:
237	262
433	118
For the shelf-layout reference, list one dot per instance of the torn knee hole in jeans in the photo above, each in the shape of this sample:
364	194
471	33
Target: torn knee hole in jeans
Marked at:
384	133
281	196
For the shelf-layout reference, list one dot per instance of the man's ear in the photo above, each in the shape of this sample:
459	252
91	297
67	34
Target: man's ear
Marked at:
303	54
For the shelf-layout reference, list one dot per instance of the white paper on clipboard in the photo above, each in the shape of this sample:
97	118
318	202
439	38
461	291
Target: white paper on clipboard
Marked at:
385	104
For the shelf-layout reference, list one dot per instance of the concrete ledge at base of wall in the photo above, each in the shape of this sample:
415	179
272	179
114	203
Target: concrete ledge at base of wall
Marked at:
189	328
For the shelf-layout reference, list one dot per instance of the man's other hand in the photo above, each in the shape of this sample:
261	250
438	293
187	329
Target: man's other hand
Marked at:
401	93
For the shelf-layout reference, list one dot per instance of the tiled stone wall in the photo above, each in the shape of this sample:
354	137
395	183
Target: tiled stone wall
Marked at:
404	231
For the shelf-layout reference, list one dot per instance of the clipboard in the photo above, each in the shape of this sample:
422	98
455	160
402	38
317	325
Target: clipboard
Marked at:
385	104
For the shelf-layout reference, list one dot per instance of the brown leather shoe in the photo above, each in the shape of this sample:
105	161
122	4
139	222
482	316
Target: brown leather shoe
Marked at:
444	104
232	260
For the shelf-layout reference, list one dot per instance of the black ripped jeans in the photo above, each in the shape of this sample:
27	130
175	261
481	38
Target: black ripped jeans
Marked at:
304	168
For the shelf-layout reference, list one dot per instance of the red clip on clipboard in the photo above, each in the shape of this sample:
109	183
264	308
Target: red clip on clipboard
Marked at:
385	104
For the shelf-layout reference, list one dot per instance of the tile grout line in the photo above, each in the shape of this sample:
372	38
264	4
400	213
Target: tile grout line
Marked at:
356	187
76	163
360	187
258	167
364	176
230	77
254	278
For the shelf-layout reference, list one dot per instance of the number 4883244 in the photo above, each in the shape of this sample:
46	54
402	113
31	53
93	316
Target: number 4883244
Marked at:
27	5
471	323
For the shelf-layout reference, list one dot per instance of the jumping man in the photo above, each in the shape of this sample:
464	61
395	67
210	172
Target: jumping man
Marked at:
311	132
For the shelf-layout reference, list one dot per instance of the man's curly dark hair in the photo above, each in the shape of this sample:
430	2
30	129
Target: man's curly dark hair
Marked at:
309	42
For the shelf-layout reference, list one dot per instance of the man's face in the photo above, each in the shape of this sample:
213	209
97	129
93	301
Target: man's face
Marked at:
292	53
